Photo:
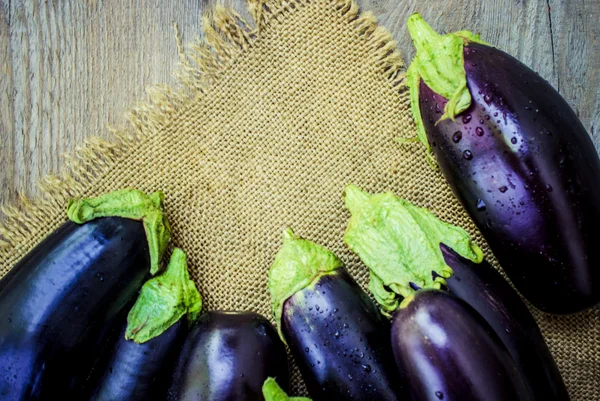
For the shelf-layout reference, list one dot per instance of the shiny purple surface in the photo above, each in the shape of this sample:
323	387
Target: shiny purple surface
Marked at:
137	372
486	291
527	173
448	352
227	356
60	302
341	342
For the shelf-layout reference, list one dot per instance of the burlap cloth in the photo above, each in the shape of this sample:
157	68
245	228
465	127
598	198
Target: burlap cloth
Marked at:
268	126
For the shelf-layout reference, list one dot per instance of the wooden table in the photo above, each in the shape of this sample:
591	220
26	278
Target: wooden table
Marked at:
70	68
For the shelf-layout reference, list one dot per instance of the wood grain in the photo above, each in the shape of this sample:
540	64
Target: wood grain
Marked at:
70	68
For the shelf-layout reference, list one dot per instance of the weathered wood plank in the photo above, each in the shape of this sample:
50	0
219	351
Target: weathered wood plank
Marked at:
7	132
72	68
69	69
576	35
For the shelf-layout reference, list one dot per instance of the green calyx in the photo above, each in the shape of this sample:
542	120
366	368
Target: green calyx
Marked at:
130	204
439	62
400	244
272	392
163	300
297	264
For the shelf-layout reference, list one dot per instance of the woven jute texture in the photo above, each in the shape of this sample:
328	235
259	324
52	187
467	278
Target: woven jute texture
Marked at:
270	122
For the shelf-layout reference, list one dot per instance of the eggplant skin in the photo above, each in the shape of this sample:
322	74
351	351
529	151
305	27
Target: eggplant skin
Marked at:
448	352
227	356
486	291
526	171
138	372
341	342
62	301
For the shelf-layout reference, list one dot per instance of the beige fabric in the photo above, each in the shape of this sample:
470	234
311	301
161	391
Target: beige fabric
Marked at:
264	133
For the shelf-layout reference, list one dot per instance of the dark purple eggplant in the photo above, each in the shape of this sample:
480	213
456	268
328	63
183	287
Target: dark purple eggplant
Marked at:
486	291
448	352
518	159
65	297
139	371
140	365
407	249
333	329
228	356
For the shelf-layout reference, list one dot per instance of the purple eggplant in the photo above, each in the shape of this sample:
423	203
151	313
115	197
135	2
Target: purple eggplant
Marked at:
138	371
407	248
518	159
484	289
448	352
337	336
139	366
62	301
228	356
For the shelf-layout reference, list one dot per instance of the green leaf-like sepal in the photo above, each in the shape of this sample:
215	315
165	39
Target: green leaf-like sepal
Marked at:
400	244
130	204
297	264
164	300
272	392
439	62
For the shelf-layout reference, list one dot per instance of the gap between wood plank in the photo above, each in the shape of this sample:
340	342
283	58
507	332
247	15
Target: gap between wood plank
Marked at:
552	46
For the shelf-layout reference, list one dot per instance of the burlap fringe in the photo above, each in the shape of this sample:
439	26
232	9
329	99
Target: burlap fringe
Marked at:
227	36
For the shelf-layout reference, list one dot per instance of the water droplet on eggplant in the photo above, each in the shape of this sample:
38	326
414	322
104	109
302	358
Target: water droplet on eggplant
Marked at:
457	137
439	395
513	140
503	188
479	131
467	154
480	205
466	118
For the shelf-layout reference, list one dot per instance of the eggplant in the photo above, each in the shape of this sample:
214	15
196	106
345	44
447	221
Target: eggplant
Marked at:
486	291
65	297
518	159
407	249
333	329
140	364
448	352
228	356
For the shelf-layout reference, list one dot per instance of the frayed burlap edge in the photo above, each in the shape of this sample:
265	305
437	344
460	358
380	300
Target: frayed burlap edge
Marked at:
227	37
